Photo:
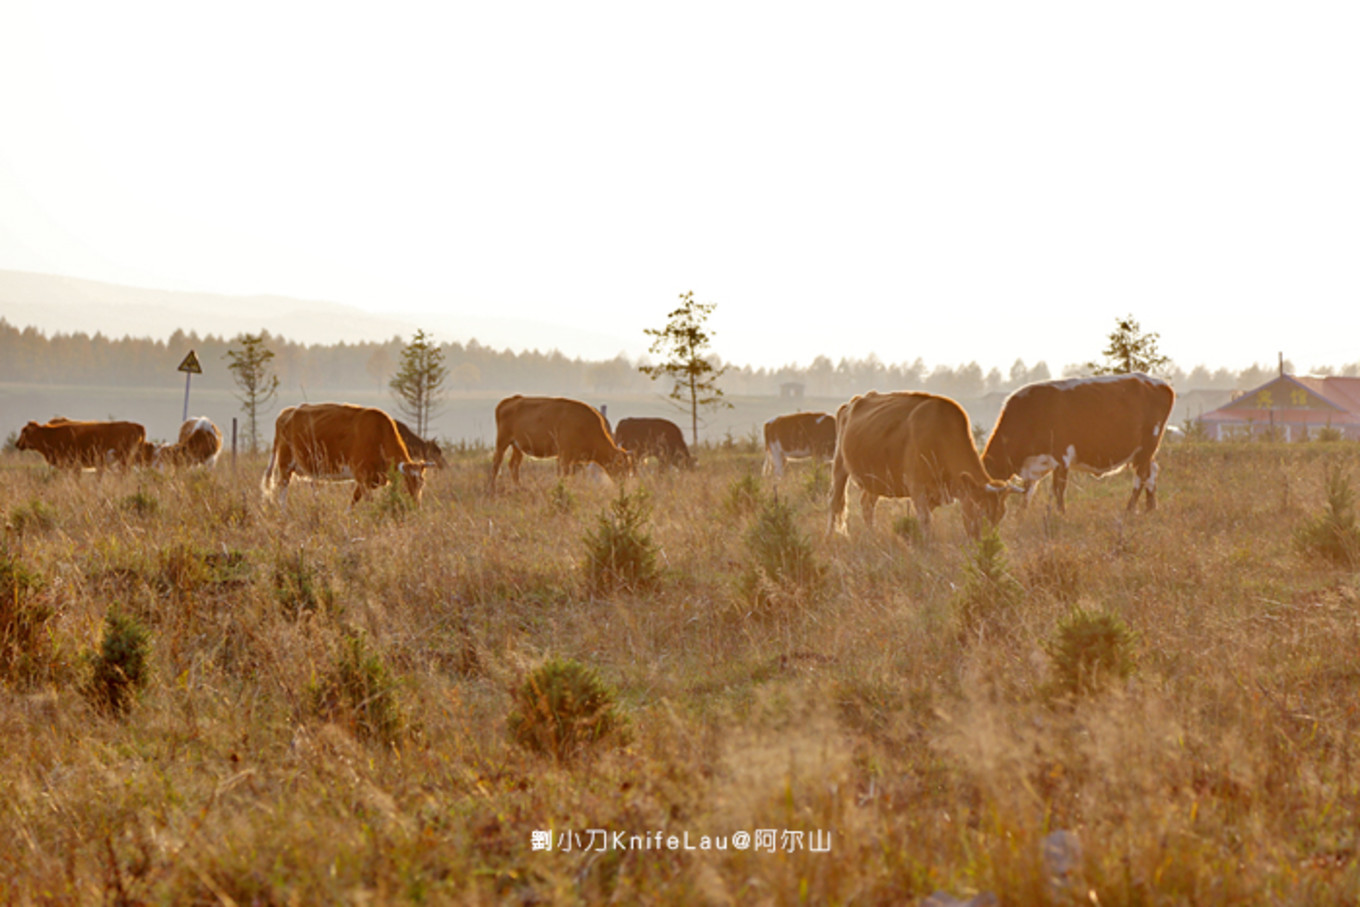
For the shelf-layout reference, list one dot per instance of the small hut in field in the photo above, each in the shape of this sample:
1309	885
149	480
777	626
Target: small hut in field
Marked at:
1290	408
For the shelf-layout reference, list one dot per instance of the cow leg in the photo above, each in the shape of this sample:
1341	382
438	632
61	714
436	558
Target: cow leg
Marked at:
867	502
516	458
839	476
496	465
1144	480
1060	487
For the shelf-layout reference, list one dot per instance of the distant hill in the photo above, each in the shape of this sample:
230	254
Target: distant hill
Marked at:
55	304
65	304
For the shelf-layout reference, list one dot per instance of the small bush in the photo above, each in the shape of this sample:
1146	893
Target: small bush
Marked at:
121	668
817	482
24	643
990	593
560	498
620	553
1089	650
908	529
393	502
35	516
782	565
299	587
1333	535
562	708
359	691
140	504
744	495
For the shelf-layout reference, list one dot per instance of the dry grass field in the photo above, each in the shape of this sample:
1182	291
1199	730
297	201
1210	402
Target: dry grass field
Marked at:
204	699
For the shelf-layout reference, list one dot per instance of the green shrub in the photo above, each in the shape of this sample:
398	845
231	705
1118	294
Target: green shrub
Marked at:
990	594
299	587
817	481
562	708
744	495
620	553
35	516
121	667
560	498
1333	534
908	529
140	504
1089	650
781	563
24	642
360	691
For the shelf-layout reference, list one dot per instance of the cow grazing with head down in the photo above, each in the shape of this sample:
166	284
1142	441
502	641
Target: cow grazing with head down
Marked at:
420	448
69	444
798	436
337	442
912	445
660	438
573	432
200	441
1098	425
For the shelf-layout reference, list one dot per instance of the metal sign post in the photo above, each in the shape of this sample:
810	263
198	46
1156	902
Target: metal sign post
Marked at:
190	367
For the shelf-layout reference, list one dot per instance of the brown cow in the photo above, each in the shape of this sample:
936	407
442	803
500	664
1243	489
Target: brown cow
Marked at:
912	445
798	436
573	432
660	438
340	441
69	444
1098	425
200	441
420	448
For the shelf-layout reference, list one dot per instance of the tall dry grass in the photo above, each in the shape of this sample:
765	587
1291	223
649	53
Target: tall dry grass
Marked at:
326	715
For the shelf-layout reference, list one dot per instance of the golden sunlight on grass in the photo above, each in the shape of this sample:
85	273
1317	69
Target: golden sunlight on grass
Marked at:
336	705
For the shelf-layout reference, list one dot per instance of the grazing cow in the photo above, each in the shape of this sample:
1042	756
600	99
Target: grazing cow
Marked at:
660	438
200	441
69	444
1098	425
573	432
340	441
912	445
419	448
798	436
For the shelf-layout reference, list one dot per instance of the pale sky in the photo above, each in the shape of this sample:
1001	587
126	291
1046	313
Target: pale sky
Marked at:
958	182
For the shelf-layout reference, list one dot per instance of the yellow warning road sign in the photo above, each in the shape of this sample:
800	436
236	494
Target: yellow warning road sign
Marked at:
190	364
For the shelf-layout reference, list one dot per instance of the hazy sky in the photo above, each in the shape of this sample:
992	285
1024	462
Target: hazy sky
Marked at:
955	181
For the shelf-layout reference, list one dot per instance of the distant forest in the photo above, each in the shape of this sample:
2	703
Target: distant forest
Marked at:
29	356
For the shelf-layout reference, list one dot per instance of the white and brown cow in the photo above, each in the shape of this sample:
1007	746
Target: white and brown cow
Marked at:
1098	425
573	432
339	442
912	445
200	441
798	436
75	445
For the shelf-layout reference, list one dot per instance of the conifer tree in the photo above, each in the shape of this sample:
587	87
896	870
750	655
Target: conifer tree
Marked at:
682	342
249	365
419	381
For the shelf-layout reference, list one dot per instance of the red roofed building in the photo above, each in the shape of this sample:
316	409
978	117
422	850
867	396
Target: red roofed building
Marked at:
1289	406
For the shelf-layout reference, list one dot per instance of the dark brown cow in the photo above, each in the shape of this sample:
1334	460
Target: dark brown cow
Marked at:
912	445
336	442
200	441
660	438
798	436
573	432
420	448
1098	425
69	444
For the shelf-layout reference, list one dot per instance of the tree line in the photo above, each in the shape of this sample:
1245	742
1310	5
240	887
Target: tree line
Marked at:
30	356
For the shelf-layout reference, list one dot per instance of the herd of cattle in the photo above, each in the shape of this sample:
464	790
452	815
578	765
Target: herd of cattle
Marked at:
904	444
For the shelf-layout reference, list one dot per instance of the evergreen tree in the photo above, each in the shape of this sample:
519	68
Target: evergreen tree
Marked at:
1130	350
419	381
682	343
249	365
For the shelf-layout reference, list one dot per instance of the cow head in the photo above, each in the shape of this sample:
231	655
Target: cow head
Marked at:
27	436
413	474
984	503
620	465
